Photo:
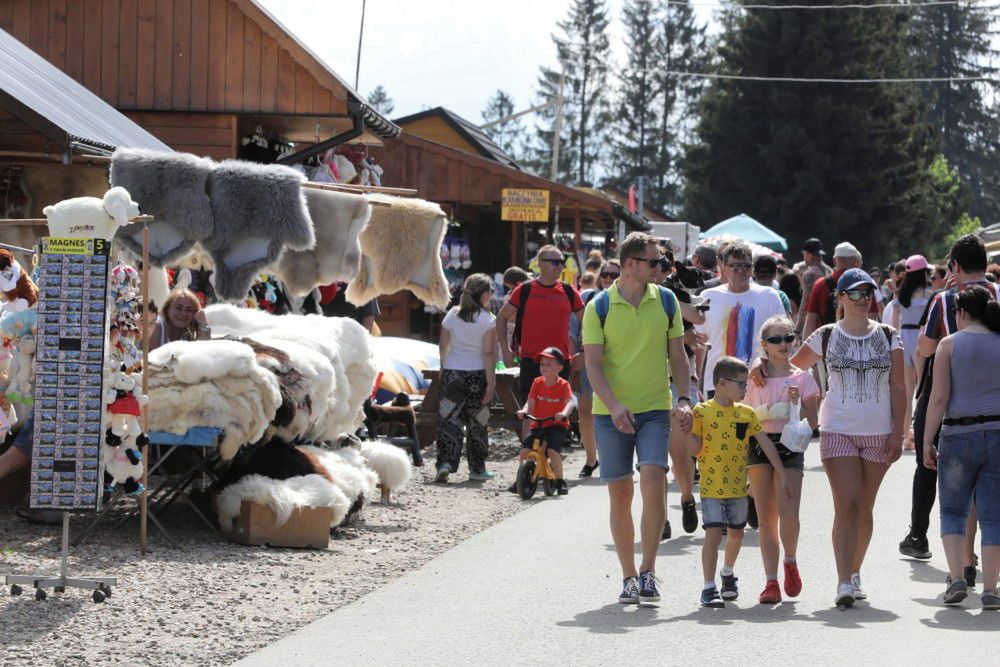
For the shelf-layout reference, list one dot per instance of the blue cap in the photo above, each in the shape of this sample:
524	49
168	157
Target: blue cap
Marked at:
853	278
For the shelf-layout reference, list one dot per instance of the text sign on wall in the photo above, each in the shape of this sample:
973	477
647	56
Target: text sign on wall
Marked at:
524	205
69	374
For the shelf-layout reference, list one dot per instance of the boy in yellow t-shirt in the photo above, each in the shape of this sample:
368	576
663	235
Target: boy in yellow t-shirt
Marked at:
721	432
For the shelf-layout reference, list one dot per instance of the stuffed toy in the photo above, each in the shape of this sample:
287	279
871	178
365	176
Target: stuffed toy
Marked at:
20	392
342	169
401	249
19	291
173	188
90	217
371	173
124	400
123	462
123	285
337	218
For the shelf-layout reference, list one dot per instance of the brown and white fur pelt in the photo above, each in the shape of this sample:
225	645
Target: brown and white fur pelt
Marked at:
292	418
350	473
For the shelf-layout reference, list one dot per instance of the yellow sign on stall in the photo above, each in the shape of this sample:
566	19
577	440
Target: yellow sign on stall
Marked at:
524	205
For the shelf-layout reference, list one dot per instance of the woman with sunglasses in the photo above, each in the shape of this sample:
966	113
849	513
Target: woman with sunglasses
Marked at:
784	385
964	400
861	417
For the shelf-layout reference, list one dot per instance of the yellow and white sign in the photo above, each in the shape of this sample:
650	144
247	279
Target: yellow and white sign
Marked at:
524	205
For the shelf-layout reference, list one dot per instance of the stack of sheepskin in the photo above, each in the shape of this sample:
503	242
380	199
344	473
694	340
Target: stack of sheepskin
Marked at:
290	386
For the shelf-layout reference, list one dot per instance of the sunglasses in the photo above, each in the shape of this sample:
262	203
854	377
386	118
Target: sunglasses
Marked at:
554	262
609	274
740	266
651	262
742	385
776	340
860	294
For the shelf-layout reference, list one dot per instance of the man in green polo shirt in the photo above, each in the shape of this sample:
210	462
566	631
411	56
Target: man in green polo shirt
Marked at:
627	357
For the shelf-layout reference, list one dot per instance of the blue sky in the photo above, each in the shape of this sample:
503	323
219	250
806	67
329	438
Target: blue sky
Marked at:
430	53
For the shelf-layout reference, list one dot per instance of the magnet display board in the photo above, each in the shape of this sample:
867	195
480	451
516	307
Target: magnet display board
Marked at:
69	374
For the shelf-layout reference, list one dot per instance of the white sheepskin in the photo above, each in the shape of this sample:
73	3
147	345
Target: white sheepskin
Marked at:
350	474
282	496
390	462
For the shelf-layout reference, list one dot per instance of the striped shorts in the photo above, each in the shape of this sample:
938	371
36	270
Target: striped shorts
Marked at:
874	448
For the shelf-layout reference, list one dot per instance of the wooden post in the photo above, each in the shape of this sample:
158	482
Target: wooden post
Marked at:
516	237
144	498
578	232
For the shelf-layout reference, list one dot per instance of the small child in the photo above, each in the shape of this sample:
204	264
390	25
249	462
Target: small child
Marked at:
550	396
721	432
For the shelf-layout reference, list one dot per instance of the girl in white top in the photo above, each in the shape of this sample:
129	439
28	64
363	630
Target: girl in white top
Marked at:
861	419
468	369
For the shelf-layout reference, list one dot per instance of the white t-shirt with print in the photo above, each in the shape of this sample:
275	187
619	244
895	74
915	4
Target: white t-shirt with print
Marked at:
857	400
733	323
466	351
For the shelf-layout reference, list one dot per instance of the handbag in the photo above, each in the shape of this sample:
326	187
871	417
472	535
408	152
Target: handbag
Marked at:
796	434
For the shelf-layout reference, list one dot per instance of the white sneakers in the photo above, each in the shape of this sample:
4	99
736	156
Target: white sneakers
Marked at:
859	594
845	594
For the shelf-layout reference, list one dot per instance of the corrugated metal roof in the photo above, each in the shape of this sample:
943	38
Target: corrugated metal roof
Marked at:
469	131
41	94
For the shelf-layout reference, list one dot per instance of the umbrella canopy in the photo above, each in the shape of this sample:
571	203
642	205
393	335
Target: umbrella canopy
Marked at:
744	227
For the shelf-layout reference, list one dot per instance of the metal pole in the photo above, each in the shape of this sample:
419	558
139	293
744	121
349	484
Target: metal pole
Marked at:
557	130
144	498
361	34
65	550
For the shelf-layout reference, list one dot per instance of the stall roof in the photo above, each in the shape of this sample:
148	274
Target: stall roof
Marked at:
469	133
40	94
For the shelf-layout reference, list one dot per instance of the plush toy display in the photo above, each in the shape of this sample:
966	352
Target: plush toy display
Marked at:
18	328
123	462
124	400
19	290
90	217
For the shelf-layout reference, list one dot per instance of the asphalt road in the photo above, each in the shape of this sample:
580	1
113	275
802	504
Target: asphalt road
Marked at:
542	586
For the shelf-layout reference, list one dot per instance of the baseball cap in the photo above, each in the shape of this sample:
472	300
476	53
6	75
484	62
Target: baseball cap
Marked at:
815	246
853	278
917	263
552	353
765	265
845	250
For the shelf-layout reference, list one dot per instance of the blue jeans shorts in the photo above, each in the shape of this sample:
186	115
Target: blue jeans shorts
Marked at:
728	512
647	446
969	466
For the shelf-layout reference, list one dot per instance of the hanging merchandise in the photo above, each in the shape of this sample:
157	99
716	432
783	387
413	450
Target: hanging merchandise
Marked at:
371	173
337	220
400	249
18	326
194	273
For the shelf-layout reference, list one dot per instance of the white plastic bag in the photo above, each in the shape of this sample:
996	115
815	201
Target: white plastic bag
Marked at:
796	434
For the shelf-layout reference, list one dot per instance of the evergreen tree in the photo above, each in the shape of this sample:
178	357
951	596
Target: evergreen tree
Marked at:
584	53
837	161
379	100
508	135
956	41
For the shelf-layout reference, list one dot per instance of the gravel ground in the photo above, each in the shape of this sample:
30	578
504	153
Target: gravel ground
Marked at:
208	601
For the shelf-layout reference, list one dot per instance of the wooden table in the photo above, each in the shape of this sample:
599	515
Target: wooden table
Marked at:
506	403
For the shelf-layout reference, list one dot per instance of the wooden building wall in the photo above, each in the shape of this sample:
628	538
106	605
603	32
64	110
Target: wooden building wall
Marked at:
437	130
173	55
204	134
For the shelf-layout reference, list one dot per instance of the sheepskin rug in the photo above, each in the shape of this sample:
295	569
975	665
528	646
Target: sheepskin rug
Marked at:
282	496
349	473
212	383
401	249
390	463
337	220
342	342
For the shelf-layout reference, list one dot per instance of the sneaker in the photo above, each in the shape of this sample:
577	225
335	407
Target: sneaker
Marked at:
730	591
483	476
970	576
772	593
442	474
991	599
630	591
647	587
752	513
588	470
956	590
793	582
690	516
561	488
859	593
710	598
667	532
915	547
845	594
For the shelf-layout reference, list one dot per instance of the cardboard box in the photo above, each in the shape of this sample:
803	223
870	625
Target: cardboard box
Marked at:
308	527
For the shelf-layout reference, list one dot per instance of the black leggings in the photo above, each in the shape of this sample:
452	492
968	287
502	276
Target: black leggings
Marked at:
924	479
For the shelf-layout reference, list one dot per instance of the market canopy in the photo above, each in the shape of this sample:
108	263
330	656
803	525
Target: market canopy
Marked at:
744	227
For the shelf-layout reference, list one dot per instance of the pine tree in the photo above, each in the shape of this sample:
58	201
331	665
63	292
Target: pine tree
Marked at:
955	41
508	135
379	100
837	161
584	53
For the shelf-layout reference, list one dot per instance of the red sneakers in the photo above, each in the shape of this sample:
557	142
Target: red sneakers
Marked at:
793	582
771	594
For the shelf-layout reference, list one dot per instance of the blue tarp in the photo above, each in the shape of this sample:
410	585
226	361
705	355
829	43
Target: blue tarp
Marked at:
744	227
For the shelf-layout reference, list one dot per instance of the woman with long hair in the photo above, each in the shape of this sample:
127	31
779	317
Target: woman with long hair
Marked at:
964	404
909	304
182	318
468	348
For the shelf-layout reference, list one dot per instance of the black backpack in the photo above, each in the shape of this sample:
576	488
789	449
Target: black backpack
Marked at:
525	293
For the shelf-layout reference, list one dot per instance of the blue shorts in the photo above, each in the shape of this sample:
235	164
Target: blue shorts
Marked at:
719	512
648	445
25	437
969	468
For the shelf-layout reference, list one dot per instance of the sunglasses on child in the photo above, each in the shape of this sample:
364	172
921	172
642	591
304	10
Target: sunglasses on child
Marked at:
742	385
554	262
860	294
777	340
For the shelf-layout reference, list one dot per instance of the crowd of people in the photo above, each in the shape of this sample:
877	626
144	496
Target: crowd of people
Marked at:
707	365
